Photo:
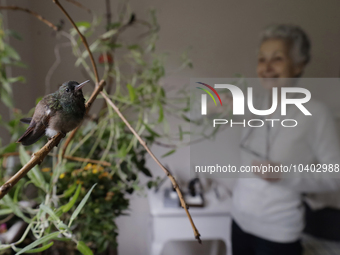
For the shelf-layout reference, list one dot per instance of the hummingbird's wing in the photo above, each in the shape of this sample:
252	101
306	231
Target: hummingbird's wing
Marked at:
38	125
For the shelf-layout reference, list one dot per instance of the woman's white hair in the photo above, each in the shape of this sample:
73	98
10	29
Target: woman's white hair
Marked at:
295	36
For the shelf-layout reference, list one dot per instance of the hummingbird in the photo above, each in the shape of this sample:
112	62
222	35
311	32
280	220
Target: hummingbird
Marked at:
59	112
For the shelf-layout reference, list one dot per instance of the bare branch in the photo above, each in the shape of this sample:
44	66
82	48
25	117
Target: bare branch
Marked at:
37	158
108	12
82	37
54	66
38	16
172	179
88	160
79	5
68	140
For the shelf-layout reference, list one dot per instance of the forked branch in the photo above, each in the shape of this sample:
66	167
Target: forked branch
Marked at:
38	16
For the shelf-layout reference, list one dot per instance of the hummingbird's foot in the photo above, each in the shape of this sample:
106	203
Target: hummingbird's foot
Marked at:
63	136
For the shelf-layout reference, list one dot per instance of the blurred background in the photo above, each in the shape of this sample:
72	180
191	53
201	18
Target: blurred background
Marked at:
221	38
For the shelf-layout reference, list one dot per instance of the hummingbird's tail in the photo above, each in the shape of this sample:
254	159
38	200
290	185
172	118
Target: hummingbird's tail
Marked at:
32	134
26	120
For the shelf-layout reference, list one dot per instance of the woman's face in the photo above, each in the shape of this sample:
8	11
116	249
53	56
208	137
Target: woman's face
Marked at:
275	61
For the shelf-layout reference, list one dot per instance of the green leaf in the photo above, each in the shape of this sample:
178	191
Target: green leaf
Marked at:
6	86
109	34
17	189
12	147
70	190
150	130
185	118
72	201
161	114
82	247
150	184
83	24
38	100
35	175
19	64
11	52
113	25
81	205
49	212
14	34
132	92
169	153
145	171
134	47
15	79
180	133
5	212
40	249
15	208
62	226
6	98
38	242
85	54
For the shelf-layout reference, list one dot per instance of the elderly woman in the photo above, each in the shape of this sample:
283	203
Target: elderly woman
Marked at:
268	212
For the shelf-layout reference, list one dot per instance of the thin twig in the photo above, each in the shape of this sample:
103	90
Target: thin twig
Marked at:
82	37
10	216
68	140
172	179
9	154
54	66
88	160
79	5
108	13
38	16
39	156
173	146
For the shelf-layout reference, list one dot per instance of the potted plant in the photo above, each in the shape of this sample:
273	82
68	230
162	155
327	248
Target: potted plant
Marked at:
69	203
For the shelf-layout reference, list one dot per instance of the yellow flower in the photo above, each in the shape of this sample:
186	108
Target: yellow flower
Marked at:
109	195
46	169
88	166
105	174
75	172
95	171
61	176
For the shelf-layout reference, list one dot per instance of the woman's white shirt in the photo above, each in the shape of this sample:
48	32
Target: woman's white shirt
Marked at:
273	210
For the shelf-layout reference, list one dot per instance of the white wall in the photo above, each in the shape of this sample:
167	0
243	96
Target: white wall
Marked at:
223	36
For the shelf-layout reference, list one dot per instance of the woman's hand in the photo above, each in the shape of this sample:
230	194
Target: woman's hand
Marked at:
267	175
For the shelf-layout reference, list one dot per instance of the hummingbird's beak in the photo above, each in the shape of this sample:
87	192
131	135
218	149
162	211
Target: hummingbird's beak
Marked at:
81	85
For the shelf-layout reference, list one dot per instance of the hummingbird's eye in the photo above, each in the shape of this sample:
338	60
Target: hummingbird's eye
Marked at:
67	90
